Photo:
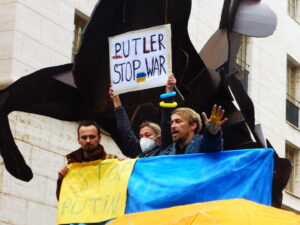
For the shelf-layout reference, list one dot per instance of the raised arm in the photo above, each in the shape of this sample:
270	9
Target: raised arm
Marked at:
130	143
166	116
115	98
212	139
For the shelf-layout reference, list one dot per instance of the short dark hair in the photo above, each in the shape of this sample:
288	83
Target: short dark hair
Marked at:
86	123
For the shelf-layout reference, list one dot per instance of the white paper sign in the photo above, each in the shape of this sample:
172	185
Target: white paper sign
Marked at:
140	59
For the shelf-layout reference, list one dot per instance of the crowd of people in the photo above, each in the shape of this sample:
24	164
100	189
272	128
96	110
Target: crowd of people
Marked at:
178	133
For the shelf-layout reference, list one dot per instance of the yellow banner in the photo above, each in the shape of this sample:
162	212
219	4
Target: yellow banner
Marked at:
94	192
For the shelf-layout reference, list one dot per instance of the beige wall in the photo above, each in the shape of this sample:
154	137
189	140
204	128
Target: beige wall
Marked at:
38	34
33	35
43	142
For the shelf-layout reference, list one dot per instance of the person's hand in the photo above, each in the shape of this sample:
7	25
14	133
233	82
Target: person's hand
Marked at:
115	98
214	123
171	82
121	158
111	92
63	172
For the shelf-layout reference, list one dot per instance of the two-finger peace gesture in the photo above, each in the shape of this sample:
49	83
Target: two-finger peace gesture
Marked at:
214	123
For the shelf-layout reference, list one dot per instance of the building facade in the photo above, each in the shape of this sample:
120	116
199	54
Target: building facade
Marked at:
272	78
43	33
35	35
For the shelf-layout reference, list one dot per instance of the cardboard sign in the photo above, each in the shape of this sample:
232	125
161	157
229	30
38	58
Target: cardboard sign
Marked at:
94	192
140	59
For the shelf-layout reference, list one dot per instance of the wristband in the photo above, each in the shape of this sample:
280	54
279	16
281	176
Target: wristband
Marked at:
168	105
167	95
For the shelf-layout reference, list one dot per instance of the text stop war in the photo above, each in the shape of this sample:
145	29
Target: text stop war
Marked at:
127	71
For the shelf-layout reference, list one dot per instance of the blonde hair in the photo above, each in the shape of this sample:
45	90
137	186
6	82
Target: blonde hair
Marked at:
191	116
155	127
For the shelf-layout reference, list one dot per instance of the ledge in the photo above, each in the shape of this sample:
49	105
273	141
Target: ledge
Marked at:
293	126
295	19
291	202
292	194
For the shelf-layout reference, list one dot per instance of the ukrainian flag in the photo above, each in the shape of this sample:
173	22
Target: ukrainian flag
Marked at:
166	181
141	77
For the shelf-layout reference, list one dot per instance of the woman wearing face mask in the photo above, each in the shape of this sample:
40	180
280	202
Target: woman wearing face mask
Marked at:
150	139
150	135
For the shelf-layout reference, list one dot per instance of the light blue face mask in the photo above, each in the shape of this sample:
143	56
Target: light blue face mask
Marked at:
147	144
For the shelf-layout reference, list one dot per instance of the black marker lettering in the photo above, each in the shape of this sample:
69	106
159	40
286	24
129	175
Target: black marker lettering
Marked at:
162	61
128	49
149	68
136	66
135	44
120	75
128	65
155	66
117	49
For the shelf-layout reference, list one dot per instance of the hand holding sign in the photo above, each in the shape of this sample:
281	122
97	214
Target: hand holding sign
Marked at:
171	82
140	59
63	172
115	98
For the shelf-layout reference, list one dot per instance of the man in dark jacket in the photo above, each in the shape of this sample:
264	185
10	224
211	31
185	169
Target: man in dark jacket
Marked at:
89	139
185	126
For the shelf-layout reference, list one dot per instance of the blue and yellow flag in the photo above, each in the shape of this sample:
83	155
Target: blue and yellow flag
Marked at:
166	181
140	77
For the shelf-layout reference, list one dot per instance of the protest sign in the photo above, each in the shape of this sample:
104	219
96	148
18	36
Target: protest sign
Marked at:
94	192
140	59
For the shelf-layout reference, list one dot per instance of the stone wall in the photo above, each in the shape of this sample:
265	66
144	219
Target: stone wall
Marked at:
33	35
43	142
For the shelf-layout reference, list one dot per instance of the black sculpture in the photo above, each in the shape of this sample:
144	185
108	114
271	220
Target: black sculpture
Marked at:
78	91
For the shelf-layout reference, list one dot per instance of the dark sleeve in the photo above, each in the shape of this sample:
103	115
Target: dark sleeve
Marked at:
130	143
212	143
58	187
165	125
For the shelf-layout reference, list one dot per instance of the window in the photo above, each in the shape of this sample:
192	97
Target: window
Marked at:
79	24
292	8
242	53
241	63
292	153
291	80
292	103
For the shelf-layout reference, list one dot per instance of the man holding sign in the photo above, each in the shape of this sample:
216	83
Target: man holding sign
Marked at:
141	60
89	139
